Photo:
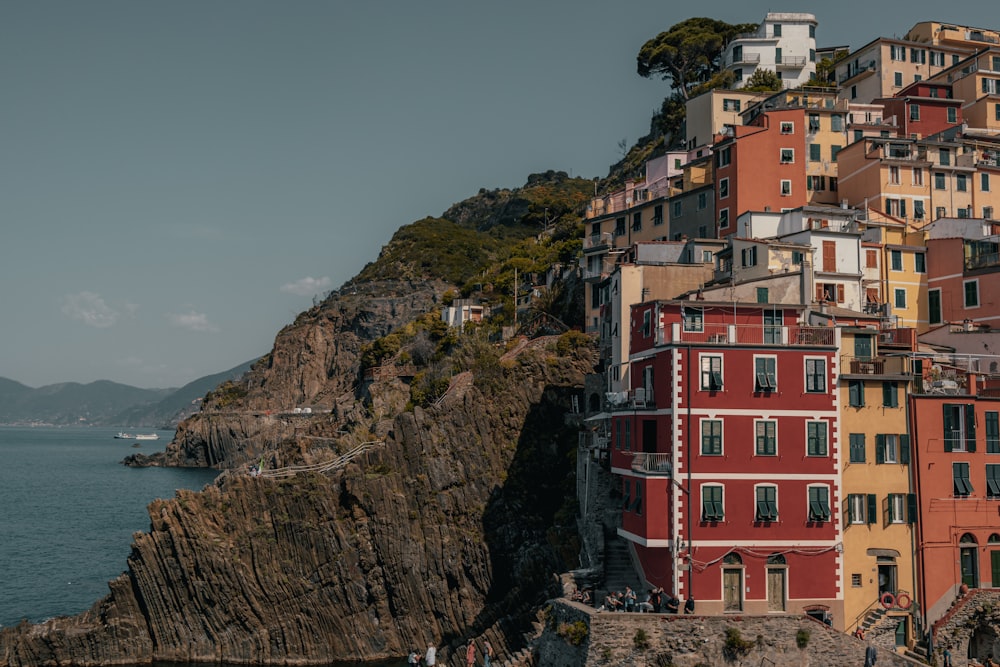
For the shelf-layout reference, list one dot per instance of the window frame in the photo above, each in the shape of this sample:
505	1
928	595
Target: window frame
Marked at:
975	301
713	510
765	503
961	484
709	381
856	444
708	437
765	444
693	319
786	155
817	439
815	380
765	371
818	503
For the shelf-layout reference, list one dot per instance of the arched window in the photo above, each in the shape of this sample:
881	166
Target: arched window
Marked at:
969	538
776	559
732	559
994	539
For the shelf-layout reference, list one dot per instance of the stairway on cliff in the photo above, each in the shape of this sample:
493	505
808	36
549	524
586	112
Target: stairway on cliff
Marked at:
618	570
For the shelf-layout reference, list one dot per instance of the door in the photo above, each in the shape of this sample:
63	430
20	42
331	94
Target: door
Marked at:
863	347
886	579
830	256
649	435
970	568
901	632
776	589
772	326
995	569
732	589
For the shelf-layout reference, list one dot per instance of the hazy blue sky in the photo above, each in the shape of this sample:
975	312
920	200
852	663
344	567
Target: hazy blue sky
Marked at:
179	178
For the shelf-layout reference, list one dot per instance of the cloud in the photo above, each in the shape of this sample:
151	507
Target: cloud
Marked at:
90	309
307	286
192	321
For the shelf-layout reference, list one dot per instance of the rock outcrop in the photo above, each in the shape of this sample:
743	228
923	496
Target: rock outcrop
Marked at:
450	524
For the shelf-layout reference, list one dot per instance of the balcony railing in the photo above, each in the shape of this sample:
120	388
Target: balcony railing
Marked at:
751	58
986	261
652	464
792	61
746	334
851	365
598	240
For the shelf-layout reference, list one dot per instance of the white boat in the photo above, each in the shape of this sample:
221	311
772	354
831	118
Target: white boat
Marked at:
122	435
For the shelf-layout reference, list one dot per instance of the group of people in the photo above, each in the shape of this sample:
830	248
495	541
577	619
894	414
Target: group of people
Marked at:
430	657
654	601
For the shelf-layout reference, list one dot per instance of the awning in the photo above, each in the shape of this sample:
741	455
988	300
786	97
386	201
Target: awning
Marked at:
883	553
598	417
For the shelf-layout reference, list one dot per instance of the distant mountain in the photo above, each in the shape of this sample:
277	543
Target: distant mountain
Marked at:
179	404
104	403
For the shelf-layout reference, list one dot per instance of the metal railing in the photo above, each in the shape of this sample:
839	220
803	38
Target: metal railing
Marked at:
852	365
326	466
652	463
747	334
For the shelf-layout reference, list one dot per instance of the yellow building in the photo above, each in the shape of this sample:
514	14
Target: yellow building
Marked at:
896	252
878	503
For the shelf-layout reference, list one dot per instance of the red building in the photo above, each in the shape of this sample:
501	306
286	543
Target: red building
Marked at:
761	167
956	432
923	109
728	452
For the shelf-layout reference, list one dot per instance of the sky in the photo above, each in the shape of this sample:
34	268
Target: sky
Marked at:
179	179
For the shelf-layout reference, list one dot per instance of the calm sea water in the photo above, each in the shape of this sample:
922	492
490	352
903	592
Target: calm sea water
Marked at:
68	509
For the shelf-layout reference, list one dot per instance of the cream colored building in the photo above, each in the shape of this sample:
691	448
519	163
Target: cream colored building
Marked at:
707	114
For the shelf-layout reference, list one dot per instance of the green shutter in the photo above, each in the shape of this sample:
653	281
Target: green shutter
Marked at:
911	508
904	449
970	428
948	426
872	508
880	448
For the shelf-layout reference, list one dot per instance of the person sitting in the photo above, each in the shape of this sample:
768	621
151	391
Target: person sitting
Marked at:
860	633
647	604
657	599
689	606
673	605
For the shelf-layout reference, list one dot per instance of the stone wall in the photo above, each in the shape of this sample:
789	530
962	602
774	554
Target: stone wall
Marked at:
668	640
971	626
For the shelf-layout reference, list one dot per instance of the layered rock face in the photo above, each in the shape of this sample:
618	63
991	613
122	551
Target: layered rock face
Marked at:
432	536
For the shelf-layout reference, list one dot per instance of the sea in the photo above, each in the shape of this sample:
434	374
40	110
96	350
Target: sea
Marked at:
69	510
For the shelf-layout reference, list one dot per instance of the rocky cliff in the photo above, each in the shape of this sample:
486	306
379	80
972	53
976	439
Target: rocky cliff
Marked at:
446	526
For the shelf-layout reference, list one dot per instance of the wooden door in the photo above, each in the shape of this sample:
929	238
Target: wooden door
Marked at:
732	589
776	589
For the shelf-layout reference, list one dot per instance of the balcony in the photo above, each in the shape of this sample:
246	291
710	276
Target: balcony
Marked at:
984	261
791	62
598	241
744	59
748	334
652	464
851	365
867	68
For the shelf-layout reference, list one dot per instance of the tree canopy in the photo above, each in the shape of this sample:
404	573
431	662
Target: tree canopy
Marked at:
763	80
689	52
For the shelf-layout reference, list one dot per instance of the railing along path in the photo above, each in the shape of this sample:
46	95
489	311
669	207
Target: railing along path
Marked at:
326	466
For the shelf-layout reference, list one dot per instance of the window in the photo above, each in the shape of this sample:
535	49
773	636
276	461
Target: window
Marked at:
724	156
711	503
787	127
914	112
992	481
893	175
738	74
959	427
939	212
787	155
970	289
861	508
960	480
871	259
897	507
723	188
992	432
765	373
944	157
892	448
767	503
856	393
918	56
637	503
658	214
900	297
711	372
786	188
816	438
988	212
637	221
897	52
812	54
816	376
730	105
938	181
836	123
647	323
890	394
896	260
693	320
960	183
816	183
984	182
813	122
777	30
762	295
855	580
767	437
619	226
706	256
897	79
711	437
937	58
677	209
819	503
702	200
918	210
812	33
952	115
918	176
628	436
748	256
724	218
816	153
834	152
857	453
920	262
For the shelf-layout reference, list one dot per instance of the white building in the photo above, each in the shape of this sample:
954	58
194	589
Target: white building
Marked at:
784	43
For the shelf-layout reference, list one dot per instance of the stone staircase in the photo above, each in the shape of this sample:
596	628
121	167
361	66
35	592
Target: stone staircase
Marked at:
918	652
618	570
